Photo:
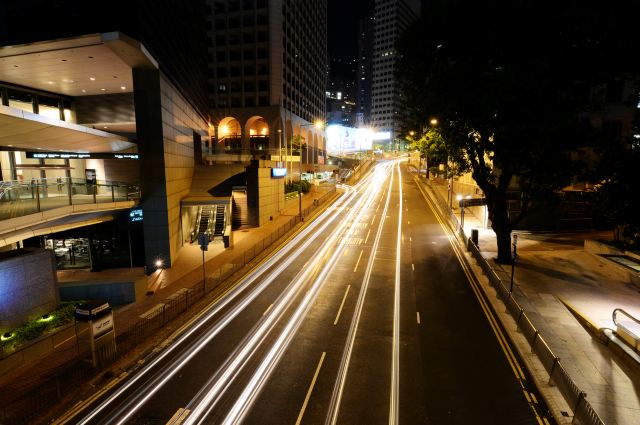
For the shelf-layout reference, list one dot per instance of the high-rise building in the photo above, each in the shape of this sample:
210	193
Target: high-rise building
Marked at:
391	17
364	70
267	76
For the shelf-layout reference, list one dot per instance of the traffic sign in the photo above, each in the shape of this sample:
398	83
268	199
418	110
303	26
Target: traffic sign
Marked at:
473	202
203	241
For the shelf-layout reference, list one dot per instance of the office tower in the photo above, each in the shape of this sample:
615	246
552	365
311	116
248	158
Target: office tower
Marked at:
392	17
364	70
267	72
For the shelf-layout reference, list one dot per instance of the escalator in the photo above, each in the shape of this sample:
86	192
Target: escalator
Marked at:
219	225
203	224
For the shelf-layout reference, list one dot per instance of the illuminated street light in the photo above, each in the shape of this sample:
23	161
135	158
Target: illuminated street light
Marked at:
159	263
433	121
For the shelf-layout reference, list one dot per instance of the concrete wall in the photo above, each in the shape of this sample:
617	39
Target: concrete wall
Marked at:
27	286
265	195
179	123
165	124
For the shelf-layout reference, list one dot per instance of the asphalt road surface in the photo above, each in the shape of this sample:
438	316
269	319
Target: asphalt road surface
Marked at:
366	316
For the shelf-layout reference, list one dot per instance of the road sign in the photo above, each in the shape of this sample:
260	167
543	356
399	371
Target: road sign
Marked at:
203	241
473	202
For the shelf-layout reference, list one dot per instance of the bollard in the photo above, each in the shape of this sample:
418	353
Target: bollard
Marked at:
474	237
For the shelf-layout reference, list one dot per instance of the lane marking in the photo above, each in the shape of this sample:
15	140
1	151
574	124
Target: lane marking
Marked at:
367	238
338	389
267	310
358	262
313	383
413	268
418	316
179	417
502	340
335	322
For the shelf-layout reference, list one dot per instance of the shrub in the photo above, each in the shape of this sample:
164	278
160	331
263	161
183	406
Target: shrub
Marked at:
34	328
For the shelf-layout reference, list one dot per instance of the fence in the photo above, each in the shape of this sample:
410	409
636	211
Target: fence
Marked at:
583	412
22	198
44	394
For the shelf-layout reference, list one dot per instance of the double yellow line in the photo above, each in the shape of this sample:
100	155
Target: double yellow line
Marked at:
475	286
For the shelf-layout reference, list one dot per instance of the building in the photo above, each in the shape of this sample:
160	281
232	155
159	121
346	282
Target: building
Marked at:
364	70
91	99
267	78
391	18
340	102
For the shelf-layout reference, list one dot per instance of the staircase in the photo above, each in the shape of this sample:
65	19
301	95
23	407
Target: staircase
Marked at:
240	216
219	225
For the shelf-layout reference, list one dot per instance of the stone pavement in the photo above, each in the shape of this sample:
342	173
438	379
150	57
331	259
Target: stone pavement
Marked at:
186	272
552	270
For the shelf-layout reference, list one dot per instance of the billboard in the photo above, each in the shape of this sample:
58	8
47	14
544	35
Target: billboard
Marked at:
342	139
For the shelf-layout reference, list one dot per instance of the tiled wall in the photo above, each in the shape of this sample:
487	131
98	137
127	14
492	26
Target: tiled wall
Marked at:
179	122
27	288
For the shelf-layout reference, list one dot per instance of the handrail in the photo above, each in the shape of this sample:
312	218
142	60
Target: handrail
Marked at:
615	313
19	198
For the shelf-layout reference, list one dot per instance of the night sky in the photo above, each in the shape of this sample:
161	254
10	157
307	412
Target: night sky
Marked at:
343	16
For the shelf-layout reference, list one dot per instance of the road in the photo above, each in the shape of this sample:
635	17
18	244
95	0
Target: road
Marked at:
366	316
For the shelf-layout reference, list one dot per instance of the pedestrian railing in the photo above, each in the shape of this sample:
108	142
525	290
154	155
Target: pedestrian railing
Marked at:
18	198
627	328
583	412
29	406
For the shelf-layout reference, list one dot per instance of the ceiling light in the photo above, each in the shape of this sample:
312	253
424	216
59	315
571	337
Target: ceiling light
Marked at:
123	87
105	127
84	91
50	82
103	89
92	78
10	145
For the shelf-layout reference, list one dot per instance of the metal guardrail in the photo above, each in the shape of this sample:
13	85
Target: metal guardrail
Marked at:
576	398
18	198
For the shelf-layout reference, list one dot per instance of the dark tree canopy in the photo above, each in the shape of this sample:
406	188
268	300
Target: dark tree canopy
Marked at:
509	83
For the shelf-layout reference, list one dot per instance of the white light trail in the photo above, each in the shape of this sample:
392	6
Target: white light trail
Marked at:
211	393
395	361
156	382
336	398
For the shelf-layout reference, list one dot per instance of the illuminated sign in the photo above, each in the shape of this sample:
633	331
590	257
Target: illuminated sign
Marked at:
76	155
135	215
347	139
278	172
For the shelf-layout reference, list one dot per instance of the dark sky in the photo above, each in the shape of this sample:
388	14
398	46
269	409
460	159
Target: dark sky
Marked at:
343	16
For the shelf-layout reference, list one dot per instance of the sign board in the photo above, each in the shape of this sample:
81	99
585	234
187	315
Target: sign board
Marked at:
203	241
81	155
135	215
278	173
92	310
342	139
102	325
473	202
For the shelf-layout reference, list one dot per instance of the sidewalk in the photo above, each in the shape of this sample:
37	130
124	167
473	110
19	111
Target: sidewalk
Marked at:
553	270
185	273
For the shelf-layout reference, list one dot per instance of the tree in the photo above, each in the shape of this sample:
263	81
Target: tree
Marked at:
508	97
431	145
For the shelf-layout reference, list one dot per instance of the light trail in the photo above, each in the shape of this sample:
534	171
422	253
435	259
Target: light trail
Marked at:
336	397
394	413
210	394
155	383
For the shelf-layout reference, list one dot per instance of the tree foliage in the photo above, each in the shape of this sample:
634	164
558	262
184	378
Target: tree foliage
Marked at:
507	81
